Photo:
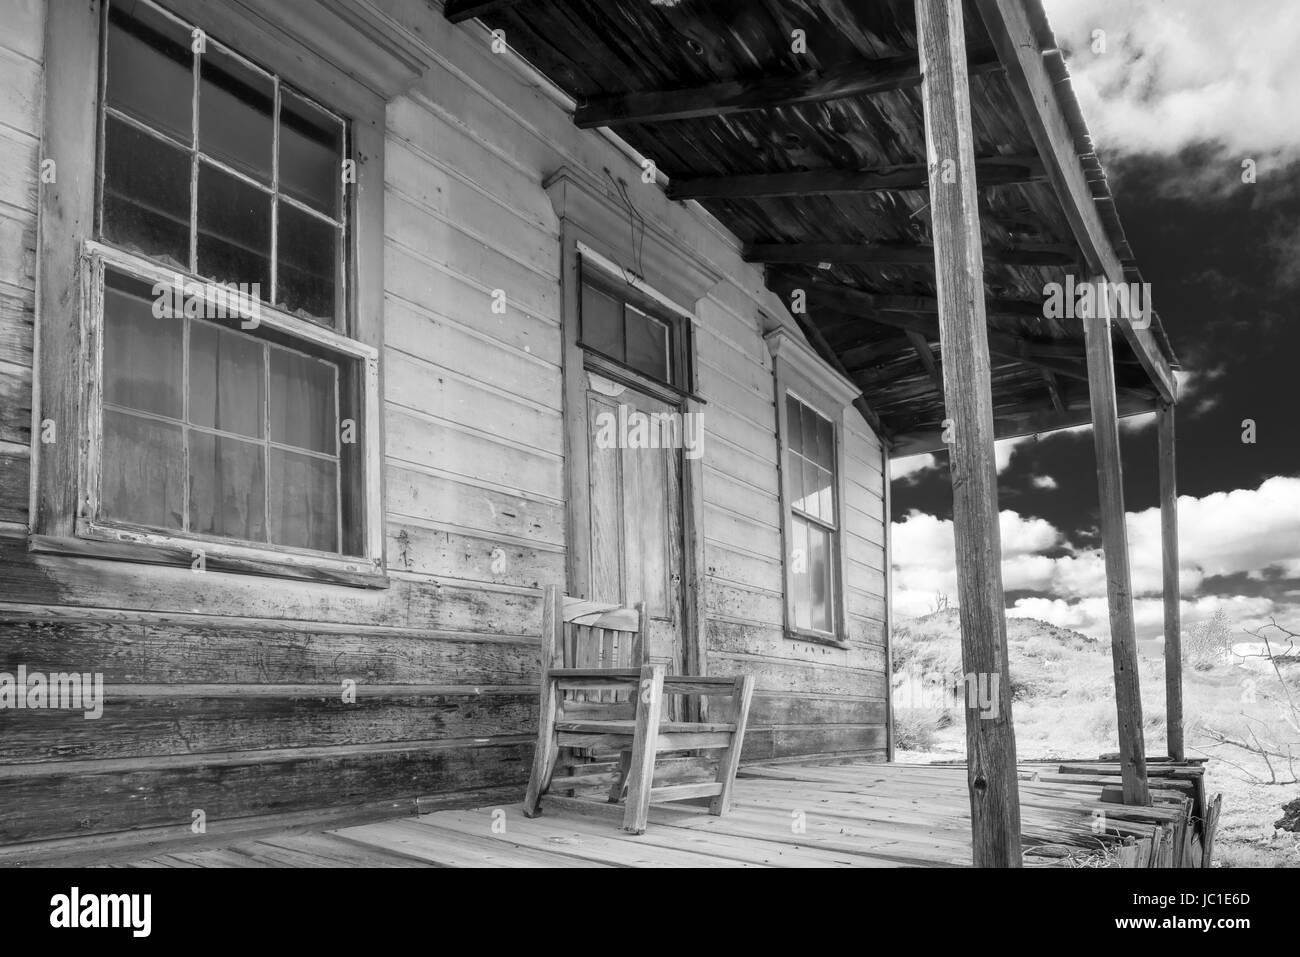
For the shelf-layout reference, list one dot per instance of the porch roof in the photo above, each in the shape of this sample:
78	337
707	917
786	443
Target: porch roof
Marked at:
816	161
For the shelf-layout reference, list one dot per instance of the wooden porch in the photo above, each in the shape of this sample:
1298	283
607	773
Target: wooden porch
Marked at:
856	814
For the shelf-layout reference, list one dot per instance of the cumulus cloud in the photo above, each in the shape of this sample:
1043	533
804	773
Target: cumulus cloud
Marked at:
910	468
1185	74
1250	532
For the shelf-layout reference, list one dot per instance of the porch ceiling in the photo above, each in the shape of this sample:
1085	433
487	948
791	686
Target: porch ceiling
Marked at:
816	161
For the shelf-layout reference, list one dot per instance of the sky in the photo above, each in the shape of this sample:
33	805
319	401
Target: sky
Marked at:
1177	94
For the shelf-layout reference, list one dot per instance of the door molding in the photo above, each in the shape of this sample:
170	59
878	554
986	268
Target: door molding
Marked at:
589	214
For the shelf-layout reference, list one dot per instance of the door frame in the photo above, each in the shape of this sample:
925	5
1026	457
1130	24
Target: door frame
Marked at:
588	217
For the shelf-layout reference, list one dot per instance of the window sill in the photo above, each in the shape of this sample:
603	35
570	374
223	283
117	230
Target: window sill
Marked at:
817	638
92	541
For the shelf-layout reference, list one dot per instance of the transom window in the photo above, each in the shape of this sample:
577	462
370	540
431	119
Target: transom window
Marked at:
213	166
621	323
811	484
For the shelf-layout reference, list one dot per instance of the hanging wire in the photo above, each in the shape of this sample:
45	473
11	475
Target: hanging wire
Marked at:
636	222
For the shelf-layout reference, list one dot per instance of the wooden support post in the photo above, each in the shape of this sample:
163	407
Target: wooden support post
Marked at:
963	339
1114	540
1173	617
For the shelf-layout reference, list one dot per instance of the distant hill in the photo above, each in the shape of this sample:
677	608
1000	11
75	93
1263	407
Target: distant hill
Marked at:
1040	654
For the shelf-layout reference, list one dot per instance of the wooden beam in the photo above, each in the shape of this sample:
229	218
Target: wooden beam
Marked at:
1053	390
823	348
856	78
1041	355
899	254
458	11
1114	538
1013	36
1173	615
990	171
878	302
922	349
963	329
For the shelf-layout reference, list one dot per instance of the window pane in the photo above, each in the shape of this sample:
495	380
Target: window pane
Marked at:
647	344
308	251
227	487
825	443
826	496
794	471
227	380
146	194
142	354
819	575
311	154
303	402
150	70
799	565
235	108
794	423
811	487
143	471
304	501
234	230
602	323
811	434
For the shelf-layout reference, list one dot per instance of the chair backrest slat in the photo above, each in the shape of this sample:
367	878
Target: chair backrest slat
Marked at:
589	634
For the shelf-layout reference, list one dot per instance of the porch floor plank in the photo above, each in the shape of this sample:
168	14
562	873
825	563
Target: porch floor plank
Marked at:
849	814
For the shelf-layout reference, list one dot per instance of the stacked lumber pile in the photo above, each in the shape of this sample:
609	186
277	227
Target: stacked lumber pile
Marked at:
1176	830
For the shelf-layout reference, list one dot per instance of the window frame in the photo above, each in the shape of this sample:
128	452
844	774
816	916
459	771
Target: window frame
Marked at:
651	303
198	158
799	372
67	386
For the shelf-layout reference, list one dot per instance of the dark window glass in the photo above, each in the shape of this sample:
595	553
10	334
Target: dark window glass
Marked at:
647	344
236	107
621	322
234	242
142	354
602	323
150	70
227	487
146	194
218	225
143	471
304	501
303	402
311	152
227	381
308	259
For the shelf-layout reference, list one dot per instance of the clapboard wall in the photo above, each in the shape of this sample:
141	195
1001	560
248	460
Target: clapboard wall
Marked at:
224	691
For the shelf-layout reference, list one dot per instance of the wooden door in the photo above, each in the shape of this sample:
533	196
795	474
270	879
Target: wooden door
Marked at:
636	509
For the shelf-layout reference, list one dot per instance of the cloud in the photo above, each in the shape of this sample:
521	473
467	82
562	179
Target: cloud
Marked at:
909	467
1180	75
1044	482
1246	532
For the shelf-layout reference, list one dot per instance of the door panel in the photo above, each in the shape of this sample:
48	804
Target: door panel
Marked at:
636	517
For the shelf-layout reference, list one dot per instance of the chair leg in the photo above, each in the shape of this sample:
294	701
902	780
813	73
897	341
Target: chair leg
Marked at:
649	708
730	759
547	753
619	788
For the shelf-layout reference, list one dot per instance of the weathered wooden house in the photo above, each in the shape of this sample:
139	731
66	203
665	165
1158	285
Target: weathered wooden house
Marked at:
333	331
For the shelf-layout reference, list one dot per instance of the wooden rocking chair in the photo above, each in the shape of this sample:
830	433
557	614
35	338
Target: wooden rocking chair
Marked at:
599	691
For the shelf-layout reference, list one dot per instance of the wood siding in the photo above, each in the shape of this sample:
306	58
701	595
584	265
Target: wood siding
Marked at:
225	692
